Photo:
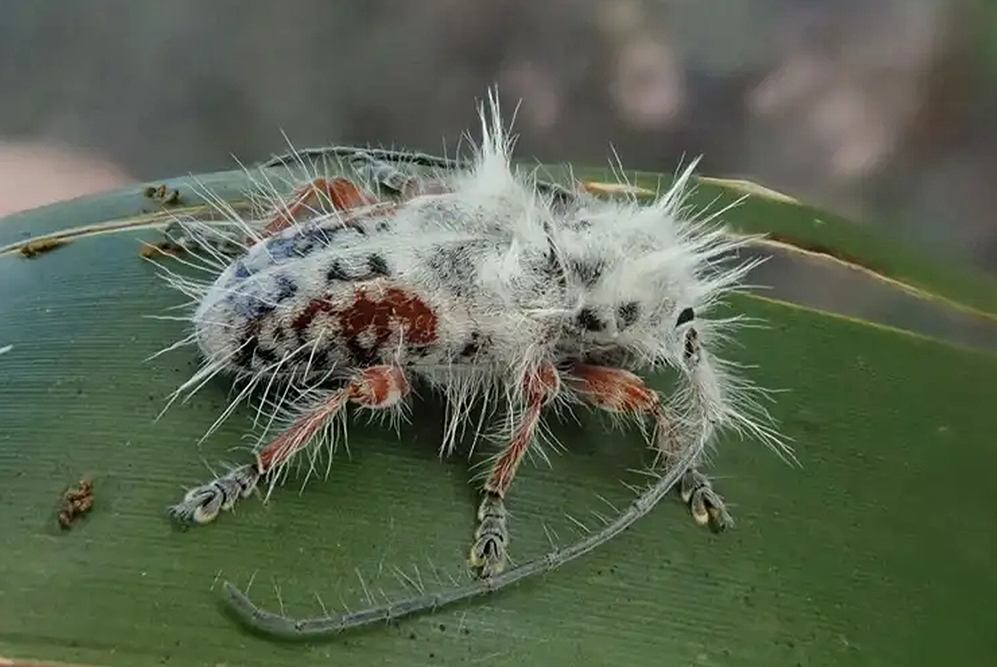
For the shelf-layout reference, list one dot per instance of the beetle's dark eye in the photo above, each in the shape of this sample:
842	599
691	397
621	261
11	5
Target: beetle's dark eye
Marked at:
685	316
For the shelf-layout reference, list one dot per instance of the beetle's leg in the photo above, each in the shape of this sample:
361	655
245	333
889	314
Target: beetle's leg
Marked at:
488	555
400	183
314	197
620	391
376	387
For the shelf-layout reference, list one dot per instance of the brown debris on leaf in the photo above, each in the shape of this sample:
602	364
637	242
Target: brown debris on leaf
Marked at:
163	195
33	248
75	502
161	248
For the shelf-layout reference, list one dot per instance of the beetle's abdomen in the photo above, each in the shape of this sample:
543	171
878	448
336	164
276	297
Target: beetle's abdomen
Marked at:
303	321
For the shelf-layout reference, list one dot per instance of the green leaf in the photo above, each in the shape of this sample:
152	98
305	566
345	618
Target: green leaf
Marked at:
871	553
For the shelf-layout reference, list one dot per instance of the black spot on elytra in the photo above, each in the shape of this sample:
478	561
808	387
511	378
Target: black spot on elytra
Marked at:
239	270
250	303
337	273
285	288
589	321
685	316
453	267
627	314
300	335
419	351
472	347
342	271
553	268
265	354
280	334
377	266
248	346
320	359
251	351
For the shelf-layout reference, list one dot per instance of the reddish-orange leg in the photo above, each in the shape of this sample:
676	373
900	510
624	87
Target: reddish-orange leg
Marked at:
488	554
343	195
341	192
618	390
377	387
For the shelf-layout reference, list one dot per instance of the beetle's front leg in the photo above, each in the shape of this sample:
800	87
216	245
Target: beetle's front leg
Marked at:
620	391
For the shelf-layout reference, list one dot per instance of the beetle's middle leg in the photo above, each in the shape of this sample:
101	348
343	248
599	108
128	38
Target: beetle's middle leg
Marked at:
488	554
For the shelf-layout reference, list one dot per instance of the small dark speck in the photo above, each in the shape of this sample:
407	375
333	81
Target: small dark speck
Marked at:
411	635
465	631
443	628
432	655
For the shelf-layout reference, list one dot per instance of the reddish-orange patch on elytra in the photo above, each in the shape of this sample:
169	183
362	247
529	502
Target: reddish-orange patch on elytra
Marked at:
614	388
379	311
390	309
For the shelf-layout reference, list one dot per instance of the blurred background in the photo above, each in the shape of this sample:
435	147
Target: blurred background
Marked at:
882	110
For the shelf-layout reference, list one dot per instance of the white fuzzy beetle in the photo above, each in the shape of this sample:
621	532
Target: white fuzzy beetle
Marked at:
487	286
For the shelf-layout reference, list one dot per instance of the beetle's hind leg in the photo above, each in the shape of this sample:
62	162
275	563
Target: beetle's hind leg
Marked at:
376	387
396	181
345	195
321	194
